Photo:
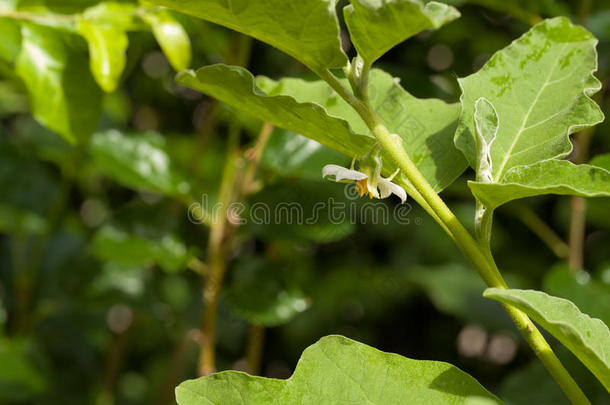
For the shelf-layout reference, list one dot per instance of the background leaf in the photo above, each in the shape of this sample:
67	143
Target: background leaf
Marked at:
63	95
138	160
260	292
171	36
113	244
586	337
104	27
354	370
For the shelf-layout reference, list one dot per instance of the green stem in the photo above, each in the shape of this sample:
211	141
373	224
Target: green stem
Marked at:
476	253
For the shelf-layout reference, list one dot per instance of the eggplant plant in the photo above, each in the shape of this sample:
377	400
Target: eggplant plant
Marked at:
508	138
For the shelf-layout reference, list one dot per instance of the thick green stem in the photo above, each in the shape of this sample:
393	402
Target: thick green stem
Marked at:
476	253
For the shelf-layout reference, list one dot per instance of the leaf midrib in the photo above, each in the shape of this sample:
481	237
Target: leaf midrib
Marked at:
508	153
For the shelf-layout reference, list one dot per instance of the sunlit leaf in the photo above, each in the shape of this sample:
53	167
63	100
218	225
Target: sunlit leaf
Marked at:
140	161
540	87
314	110
306	30
377	26
235	86
337	370
547	177
171	36
104	27
63	94
586	337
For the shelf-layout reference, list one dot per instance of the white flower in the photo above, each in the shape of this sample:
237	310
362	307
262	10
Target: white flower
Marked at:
373	185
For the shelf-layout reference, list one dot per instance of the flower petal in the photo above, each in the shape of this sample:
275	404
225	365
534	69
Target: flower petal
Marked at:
386	187
341	173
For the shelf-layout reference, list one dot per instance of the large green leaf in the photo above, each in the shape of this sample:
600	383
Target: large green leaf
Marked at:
314	110
540	87
139	161
171	36
337	370
104	27
586	337
63	94
547	177
235	86
306	29
377	26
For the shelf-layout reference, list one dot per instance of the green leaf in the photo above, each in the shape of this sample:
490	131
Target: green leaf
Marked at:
171	36
337	370
547	177
104	27
540	87
377	26
586	337
113	244
138	161
63	94
307	30
235	86
314	110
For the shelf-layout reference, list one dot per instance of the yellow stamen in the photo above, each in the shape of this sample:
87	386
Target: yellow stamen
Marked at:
361	187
